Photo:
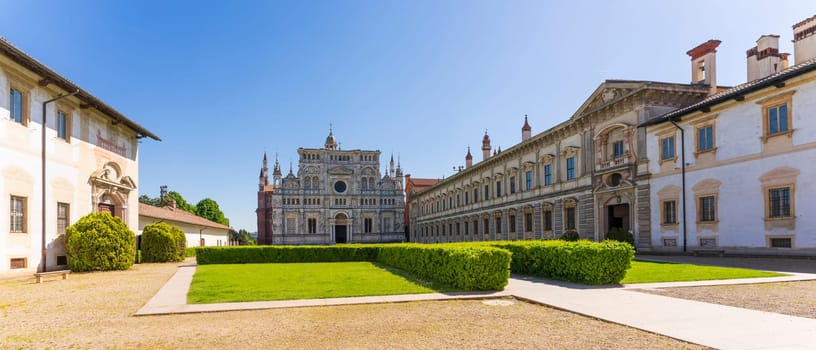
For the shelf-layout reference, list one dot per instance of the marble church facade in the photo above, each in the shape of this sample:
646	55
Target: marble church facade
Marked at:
336	196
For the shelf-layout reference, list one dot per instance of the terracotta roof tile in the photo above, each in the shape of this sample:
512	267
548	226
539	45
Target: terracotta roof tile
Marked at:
175	214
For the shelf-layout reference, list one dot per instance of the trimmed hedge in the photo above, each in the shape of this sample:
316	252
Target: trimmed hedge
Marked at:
162	243
468	267
285	254
463	266
582	261
99	242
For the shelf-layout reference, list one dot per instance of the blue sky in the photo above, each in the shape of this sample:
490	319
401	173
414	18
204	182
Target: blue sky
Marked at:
222	82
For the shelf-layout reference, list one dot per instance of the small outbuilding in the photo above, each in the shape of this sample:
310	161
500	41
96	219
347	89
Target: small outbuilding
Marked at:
200	232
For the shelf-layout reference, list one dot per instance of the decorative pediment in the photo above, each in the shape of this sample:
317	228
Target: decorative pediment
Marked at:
570	151
547	158
109	177
607	93
340	170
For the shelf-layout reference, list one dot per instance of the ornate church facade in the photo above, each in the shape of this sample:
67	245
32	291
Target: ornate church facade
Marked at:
336	196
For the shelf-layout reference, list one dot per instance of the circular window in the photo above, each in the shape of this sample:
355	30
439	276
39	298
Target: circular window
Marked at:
340	187
615	179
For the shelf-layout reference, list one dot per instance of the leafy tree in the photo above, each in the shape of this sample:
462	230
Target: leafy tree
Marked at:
208	208
150	201
241	236
180	202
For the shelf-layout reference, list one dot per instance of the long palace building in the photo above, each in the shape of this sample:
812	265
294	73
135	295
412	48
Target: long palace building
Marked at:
683	167
337	196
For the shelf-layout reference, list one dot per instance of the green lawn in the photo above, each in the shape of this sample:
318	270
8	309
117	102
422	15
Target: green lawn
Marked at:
648	271
263	282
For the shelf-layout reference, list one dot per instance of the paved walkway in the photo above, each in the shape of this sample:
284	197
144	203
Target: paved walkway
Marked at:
713	325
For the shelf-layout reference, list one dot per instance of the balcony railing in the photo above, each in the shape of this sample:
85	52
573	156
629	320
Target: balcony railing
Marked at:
615	161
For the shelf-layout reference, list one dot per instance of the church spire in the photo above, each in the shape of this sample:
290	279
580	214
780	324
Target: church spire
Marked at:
525	130
331	142
392	164
276	172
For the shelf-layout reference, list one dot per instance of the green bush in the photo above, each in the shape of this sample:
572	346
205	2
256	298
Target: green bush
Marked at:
100	242
464	266
621	235
161	243
582	261
570	236
190	252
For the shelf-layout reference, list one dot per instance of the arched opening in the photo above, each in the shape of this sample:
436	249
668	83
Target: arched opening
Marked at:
340	228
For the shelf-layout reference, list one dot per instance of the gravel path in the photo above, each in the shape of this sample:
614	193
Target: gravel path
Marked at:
94	310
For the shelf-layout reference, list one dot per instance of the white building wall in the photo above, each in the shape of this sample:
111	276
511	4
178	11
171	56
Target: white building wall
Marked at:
739	164
211	236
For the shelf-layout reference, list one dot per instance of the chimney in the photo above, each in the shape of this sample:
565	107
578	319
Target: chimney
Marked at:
172	203
525	130
468	159
485	146
704	64
162	192
804	40
764	59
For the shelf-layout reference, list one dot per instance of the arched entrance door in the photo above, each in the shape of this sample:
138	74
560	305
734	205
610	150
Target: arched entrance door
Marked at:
340	228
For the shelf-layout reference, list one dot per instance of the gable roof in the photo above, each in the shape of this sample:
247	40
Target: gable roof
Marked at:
178	215
51	77
737	92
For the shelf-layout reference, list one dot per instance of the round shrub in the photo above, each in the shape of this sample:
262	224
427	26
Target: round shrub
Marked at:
99	242
621	235
570	236
162	243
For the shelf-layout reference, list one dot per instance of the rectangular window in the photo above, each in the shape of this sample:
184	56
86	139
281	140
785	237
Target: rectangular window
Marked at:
458	227
667	148
512	184
475	227
18	263
63	215
512	221
705	138
570	168
16	106
617	149
467	229
780	203
528	180
569	213
18	214
548	175
498	224
487	225
528	222
708	209
486	192
778	119
62	125
498	188
312	225
669	212
290	225
475	195
467	197
547	220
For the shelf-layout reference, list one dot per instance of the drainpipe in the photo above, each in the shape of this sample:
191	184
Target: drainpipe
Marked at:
683	177
44	124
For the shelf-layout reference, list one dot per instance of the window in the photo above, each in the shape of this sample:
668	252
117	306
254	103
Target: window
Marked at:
498	224
547	220
569	214
290	225
63	216
475	195
62	125
18	214
512	221
312	222
467	197
780	202
498	188
548	175
16	106
512	184
475	227
367	225
617	149
528	222
486	192
528	180
487	225
705	138
777	119
669	212
458	227
667	148
707	209
466	228
570	168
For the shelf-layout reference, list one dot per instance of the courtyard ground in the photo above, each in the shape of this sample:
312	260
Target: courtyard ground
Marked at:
789	298
94	310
